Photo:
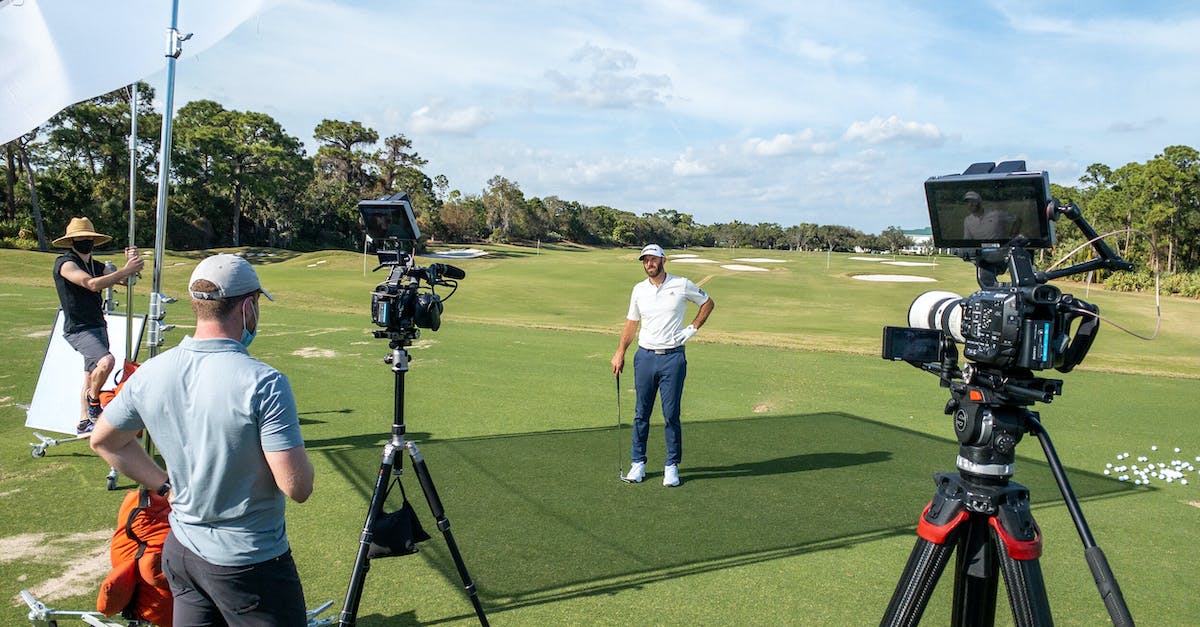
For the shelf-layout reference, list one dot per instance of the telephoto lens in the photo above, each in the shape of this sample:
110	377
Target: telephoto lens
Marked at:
938	310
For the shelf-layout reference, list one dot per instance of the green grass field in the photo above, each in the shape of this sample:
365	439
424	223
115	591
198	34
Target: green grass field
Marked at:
807	457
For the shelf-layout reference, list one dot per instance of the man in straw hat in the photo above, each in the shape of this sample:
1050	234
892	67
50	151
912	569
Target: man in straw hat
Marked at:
227	427
79	279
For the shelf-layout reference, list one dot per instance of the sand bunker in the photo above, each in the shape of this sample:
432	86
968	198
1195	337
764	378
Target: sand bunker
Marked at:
461	253
909	263
760	260
870	259
693	260
740	268
894	278
309	352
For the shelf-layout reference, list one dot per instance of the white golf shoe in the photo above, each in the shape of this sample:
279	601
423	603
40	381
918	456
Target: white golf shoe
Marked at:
671	476
637	472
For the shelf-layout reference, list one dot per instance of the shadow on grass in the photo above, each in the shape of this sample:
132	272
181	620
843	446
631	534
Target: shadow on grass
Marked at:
542	517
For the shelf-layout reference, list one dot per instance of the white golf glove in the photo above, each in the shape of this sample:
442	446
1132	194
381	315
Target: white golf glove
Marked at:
687	333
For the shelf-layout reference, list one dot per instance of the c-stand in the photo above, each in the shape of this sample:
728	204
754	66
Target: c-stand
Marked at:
987	518
399	359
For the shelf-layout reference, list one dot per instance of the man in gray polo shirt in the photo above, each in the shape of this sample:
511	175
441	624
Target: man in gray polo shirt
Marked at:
658	304
227	428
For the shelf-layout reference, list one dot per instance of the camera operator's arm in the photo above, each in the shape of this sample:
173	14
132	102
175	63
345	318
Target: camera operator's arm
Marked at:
293	472
627	333
121	449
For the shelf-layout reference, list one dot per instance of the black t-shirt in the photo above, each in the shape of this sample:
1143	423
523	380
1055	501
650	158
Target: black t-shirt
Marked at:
81	306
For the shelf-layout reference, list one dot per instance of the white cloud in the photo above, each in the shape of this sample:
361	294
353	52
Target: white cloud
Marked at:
433	118
686	165
789	144
607	80
878	131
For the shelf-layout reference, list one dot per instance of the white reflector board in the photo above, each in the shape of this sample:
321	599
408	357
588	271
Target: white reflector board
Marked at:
56	403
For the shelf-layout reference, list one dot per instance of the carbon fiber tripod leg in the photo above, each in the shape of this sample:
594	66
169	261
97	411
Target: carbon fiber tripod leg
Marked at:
938	533
976	576
920	576
1018	543
1026	589
443	523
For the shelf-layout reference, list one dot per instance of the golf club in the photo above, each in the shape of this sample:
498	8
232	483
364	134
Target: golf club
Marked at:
620	472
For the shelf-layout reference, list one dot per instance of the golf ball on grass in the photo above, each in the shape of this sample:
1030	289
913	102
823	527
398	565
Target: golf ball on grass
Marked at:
1147	470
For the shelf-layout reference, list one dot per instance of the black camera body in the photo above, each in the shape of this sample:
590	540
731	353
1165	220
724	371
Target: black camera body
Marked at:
406	301
1013	326
397	304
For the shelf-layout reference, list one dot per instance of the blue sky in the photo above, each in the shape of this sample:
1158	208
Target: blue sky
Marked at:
831	112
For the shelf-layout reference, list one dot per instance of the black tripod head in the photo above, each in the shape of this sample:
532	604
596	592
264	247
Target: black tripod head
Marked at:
991	415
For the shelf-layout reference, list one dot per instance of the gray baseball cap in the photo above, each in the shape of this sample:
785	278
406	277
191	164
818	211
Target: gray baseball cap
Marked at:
232	275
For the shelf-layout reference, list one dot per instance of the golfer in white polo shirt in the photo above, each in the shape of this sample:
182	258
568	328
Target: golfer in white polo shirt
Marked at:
659	366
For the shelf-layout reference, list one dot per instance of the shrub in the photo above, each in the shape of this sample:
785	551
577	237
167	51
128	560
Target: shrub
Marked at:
1182	284
1179	284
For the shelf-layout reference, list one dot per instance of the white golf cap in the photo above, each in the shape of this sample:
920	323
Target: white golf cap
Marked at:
652	249
971	196
232	275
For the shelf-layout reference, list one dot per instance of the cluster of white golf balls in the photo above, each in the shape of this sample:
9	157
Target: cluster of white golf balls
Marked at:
1144	471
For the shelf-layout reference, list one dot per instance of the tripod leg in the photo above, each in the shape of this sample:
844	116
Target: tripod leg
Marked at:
937	531
920	576
1018	544
362	563
443	523
976	577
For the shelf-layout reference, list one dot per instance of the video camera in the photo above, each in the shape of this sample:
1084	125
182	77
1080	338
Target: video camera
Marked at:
993	214
399	304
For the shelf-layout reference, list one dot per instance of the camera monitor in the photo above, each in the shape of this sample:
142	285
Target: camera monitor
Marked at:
988	206
390	217
912	344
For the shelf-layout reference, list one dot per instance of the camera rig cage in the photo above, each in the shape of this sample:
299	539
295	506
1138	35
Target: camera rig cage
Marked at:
1007	328
403	303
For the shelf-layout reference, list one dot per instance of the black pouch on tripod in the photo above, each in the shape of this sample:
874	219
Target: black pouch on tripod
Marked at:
397	533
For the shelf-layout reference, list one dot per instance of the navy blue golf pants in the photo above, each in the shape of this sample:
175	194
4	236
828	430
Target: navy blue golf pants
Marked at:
662	375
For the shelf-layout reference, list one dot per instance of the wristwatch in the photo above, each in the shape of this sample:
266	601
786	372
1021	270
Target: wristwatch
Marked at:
164	489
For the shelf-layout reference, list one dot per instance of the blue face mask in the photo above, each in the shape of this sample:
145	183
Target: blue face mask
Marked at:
247	335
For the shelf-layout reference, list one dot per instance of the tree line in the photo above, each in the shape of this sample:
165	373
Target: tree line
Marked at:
237	178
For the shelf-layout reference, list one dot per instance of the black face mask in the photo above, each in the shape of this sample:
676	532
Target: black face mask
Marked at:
83	246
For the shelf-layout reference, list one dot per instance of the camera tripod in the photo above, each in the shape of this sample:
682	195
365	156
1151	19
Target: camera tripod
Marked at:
987	518
399	359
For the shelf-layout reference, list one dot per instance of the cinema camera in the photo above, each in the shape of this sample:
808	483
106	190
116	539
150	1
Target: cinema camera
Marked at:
993	214
400	304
